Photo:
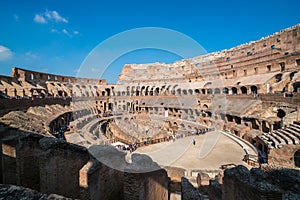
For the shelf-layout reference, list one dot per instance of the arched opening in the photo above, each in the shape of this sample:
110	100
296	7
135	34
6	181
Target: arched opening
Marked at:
137	92
296	87
280	113
297	158
157	91
178	91
278	78
217	91
142	90
184	92
197	91
203	91
190	92
60	93
205	106
253	89
147	91
225	90
234	90
292	75
209	91
118	93
123	93
244	90
103	93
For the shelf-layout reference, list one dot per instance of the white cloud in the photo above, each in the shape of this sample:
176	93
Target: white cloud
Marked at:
48	15
65	31
55	16
39	19
5	53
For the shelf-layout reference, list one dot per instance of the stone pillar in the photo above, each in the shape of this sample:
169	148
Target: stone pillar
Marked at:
271	127
260	125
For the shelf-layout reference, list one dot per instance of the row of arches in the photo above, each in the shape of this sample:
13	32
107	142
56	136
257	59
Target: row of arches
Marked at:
155	91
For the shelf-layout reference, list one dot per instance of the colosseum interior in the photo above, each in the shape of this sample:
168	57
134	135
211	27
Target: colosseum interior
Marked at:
64	136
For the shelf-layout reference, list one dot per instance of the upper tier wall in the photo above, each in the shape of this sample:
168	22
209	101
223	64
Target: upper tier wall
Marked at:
262	56
27	75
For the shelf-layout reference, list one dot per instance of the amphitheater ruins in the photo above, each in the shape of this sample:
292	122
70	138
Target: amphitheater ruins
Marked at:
64	136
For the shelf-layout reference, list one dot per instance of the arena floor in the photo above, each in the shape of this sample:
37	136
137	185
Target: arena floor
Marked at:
210	152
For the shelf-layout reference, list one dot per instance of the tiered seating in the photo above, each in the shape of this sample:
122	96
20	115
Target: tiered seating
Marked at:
290	135
293	139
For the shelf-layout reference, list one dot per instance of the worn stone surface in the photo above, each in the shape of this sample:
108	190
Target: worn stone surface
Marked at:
188	191
11	192
240	183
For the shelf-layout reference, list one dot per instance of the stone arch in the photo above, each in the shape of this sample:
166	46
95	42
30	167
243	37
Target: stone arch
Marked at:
137	92
147	90
244	90
128	91
234	90
225	90
297	158
209	91
217	91
184	92
156	91
254	89
132	91
197	91
143	91
278	77
98	94
205	106
108	91
151	91
281	113
292	75
162	90
190	91
296	87
178	91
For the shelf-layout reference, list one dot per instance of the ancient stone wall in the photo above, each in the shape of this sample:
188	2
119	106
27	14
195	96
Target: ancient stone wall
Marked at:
152	185
52	166
7	105
283	156
240	183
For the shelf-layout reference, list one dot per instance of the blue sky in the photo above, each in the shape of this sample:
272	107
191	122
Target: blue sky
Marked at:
55	36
